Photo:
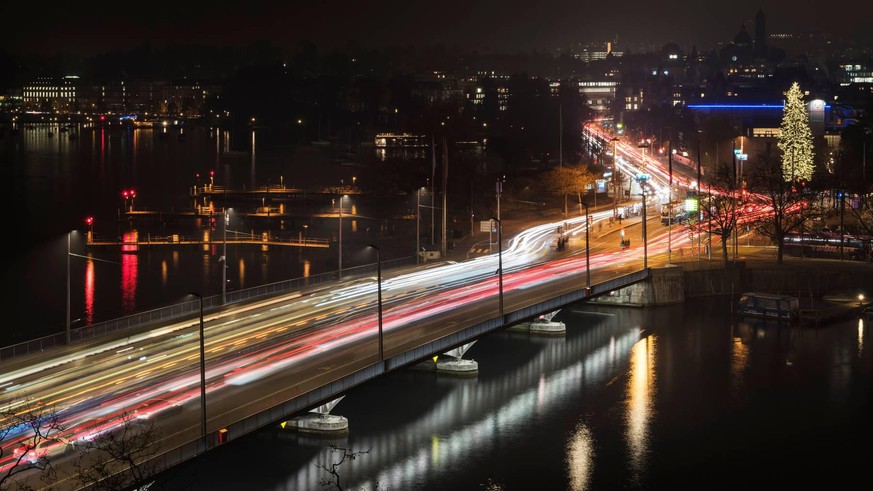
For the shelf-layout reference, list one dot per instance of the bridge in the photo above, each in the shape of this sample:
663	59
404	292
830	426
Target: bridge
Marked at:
241	401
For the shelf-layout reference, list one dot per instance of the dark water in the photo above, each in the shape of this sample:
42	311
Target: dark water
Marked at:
51	184
678	397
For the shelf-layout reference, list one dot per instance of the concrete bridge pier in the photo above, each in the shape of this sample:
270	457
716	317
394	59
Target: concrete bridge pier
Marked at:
452	362
455	364
319	421
541	325
545	325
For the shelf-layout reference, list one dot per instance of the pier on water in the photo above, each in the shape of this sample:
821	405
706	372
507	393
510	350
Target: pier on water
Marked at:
133	241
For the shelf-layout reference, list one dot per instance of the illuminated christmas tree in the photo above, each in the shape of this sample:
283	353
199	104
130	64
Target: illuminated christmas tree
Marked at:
795	139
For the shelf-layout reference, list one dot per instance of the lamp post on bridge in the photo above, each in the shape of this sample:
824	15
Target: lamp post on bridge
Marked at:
500	265
67	333
379	298
587	251
202	376
223	259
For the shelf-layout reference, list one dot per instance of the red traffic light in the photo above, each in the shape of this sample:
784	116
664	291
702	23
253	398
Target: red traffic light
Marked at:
89	220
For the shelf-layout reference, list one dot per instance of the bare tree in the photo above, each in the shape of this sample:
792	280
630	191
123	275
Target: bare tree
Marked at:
333	477
120	458
722	207
787	202
863	213
28	433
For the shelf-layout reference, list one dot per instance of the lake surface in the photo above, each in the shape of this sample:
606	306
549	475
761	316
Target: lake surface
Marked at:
53	183
675	397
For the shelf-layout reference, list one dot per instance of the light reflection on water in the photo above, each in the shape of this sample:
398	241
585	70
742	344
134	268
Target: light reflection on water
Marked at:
62	181
477	435
580	457
640	399
475	416
615	404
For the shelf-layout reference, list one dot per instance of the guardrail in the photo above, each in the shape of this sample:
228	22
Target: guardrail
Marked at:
190	308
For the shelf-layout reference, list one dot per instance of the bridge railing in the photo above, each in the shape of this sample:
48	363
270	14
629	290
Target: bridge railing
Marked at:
190	308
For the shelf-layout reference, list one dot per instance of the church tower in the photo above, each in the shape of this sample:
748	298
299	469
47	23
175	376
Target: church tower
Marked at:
760	34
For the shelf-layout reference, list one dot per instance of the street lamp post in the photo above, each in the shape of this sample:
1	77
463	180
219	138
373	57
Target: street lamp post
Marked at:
587	252
642	181
223	259
670	205
417	225
615	179
202	376
67	338
379	298
499	265
340	260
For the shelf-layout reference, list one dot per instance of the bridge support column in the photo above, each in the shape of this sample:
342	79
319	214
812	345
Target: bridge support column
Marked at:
321	424
319	421
457	366
542	325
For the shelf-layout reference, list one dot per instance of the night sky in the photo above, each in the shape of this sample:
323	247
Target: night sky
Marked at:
91	27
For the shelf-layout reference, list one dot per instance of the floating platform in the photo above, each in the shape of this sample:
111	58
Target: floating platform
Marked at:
825	312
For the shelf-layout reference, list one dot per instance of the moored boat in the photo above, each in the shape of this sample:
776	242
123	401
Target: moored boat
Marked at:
769	306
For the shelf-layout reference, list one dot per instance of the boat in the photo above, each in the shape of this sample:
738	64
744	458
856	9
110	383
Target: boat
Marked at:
769	306
845	296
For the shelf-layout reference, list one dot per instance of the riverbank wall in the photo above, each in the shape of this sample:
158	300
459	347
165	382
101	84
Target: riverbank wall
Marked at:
806	279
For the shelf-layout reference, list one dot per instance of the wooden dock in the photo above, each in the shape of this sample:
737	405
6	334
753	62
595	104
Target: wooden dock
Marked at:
825	312
206	241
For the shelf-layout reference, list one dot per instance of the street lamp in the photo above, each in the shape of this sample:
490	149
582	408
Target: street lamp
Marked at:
67	338
223	259
587	255
500	265
670	205
642	178
202	376
340	261
379	290
615	178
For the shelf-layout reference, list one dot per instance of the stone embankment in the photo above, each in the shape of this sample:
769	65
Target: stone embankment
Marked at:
807	279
